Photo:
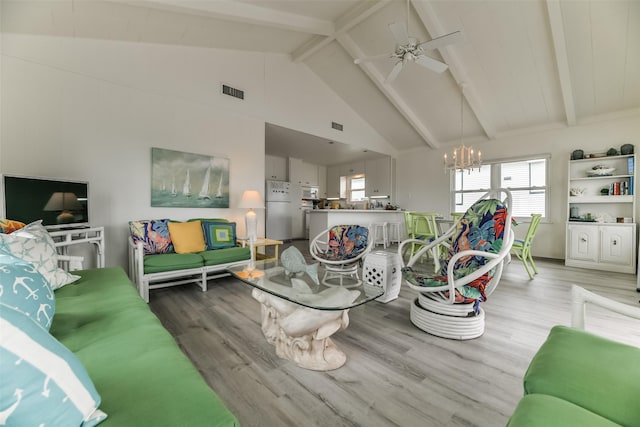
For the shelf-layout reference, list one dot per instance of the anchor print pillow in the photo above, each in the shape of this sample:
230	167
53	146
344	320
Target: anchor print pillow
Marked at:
43	382
26	290
33	244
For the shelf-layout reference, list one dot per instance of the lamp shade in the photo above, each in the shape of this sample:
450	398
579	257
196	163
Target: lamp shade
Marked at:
60	201
251	199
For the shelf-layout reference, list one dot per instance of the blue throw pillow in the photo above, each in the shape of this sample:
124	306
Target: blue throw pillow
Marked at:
25	289
43	383
219	235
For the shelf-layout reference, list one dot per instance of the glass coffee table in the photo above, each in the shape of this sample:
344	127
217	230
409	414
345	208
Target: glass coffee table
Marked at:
300	313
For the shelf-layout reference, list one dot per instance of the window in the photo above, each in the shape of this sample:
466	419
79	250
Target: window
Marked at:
356	188
526	179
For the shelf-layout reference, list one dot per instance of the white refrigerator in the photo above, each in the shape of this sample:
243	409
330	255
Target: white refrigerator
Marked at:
278	210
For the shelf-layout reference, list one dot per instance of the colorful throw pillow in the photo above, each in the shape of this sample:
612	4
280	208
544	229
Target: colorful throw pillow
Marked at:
9	226
154	235
43	383
187	237
219	235
33	244
26	290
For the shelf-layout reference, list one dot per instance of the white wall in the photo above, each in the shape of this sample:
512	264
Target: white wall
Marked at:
423	186
92	109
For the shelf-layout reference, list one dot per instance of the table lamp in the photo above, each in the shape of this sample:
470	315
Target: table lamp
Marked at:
251	200
64	202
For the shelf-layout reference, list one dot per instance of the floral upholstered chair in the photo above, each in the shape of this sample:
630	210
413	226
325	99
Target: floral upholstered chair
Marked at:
449	301
340	249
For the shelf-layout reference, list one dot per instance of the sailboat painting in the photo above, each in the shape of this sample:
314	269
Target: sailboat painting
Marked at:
197	180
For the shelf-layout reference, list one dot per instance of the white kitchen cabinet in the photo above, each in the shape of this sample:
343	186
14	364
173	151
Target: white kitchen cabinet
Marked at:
309	175
353	168
275	168
333	181
602	188
378	177
322	181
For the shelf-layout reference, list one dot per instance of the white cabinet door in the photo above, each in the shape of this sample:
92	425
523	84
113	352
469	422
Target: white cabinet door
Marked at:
333	181
378	177
582	241
322	181
309	174
275	168
616	245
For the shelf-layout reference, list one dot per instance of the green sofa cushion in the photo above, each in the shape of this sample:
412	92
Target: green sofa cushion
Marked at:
540	410
135	364
595	373
223	256
171	262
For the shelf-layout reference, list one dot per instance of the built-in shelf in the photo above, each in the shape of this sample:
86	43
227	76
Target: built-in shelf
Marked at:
600	199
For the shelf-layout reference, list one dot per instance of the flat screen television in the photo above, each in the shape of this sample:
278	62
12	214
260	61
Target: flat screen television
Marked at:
58	203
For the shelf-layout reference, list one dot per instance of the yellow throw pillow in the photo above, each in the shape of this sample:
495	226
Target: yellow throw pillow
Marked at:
187	237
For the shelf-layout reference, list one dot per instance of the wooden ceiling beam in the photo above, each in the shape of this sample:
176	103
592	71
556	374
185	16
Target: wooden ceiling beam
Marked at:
353	17
236	11
434	27
562	60
391	94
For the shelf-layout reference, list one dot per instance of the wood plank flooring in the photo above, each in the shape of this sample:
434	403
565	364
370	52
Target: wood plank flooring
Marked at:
395	375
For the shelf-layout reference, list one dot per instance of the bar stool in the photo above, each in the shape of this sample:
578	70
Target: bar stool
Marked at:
380	230
394	232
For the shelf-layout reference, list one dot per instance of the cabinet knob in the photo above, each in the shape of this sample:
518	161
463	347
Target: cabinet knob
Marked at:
615	242
583	239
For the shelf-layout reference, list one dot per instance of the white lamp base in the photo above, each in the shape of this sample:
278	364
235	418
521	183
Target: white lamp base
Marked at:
251	223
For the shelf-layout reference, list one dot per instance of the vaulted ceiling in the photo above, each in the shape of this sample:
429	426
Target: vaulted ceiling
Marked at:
525	65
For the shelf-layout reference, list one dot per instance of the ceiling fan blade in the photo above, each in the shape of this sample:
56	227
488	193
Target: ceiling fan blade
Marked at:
372	58
441	41
399	30
394	72
430	63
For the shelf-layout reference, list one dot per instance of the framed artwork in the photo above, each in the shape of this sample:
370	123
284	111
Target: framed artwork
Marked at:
188	180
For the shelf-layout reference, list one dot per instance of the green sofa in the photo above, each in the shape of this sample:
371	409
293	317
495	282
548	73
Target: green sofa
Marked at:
168	269
580	379
141	374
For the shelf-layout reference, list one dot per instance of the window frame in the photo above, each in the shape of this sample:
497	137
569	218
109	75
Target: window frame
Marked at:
495	177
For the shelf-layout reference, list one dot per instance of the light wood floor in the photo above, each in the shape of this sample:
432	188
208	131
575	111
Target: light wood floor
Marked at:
395	375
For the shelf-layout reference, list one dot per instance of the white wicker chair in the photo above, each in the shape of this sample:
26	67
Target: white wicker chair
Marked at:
448	303
340	249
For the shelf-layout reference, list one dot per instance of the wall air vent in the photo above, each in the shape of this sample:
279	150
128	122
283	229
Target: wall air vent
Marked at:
336	126
231	91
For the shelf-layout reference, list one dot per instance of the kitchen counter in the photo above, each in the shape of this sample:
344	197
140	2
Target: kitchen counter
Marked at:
321	219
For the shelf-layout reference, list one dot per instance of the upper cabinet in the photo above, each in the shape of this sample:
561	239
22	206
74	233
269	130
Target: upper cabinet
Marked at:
302	173
353	168
333	181
378	177
275	168
322	181
309	175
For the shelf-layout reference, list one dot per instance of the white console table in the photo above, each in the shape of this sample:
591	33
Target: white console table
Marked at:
63	239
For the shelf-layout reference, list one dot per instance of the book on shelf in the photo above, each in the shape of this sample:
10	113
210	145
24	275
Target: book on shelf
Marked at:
630	165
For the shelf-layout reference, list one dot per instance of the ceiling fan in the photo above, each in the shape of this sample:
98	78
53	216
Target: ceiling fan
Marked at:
409	49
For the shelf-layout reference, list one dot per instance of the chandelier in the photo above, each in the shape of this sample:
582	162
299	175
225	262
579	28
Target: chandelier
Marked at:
463	158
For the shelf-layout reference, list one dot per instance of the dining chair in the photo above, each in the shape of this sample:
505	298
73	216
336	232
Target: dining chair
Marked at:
522	248
425	230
